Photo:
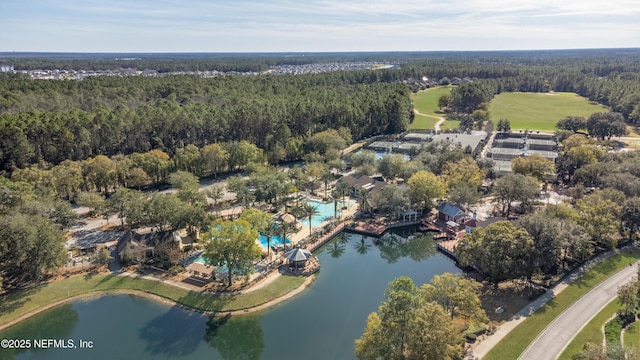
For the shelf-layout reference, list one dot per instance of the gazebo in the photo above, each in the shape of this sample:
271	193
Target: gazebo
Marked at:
297	256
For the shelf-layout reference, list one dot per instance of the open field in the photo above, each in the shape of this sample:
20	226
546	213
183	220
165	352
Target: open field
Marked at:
539	111
426	101
592	332
19	303
421	122
450	124
514	343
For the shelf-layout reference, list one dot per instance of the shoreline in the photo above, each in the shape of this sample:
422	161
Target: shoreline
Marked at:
160	299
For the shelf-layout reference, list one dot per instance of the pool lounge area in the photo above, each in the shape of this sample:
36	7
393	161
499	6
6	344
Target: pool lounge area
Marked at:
325	212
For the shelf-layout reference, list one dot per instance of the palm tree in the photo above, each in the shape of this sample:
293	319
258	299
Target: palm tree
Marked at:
364	196
309	211
335	196
342	188
327	177
284	227
269	230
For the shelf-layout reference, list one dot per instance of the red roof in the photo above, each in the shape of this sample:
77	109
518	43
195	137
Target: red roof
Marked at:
471	223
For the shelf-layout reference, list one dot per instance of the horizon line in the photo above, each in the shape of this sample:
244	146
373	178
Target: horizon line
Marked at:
315	52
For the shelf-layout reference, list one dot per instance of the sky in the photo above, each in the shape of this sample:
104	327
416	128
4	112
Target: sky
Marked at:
144	26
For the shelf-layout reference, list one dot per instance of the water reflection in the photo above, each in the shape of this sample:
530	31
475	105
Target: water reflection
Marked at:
418	249
336	249
174	333
237	337
56	323
338	246
362	246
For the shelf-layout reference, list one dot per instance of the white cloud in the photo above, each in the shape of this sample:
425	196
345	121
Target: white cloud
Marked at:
317	25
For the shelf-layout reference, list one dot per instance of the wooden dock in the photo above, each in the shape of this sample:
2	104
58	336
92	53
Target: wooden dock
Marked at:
325	237
375	229
448	247
399	224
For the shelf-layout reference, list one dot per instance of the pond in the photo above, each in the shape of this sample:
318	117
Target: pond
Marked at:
320	323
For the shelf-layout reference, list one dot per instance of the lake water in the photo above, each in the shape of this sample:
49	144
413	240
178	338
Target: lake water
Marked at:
320	323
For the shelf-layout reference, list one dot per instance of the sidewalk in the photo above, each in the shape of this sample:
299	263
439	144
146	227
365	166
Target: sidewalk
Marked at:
489	342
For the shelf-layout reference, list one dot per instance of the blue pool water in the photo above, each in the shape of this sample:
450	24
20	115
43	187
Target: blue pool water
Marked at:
275	241
222	269
325	211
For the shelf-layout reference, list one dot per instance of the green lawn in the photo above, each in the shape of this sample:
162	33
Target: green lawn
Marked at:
19	303
539	111
422	122
517	340
450	124
592	332
426	101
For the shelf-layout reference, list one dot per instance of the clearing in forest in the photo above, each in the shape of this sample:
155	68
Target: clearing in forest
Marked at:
540	111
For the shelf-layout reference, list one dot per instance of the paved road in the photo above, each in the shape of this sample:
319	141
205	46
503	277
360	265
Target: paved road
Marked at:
557	336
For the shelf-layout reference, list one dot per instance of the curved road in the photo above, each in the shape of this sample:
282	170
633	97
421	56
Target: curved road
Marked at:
557	336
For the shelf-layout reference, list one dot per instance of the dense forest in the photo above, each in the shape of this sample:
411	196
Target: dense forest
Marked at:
51	121
45	122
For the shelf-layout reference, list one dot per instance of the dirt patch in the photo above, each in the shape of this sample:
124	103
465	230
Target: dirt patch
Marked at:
509	296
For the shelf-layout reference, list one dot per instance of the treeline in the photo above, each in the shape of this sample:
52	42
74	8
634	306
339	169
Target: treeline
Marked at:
53	121
162	65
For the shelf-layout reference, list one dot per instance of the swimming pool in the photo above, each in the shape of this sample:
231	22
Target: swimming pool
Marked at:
221	269
275	241
325	211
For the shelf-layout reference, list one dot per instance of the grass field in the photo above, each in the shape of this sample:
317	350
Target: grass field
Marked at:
592	332
519	338
450	124
422	123
16	304
539	111
426	101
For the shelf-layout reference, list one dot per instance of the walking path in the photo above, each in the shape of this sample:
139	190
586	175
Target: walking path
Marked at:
486	345
436	127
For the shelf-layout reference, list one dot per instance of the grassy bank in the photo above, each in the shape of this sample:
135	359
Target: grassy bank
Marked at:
517	340
632	335
18	304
